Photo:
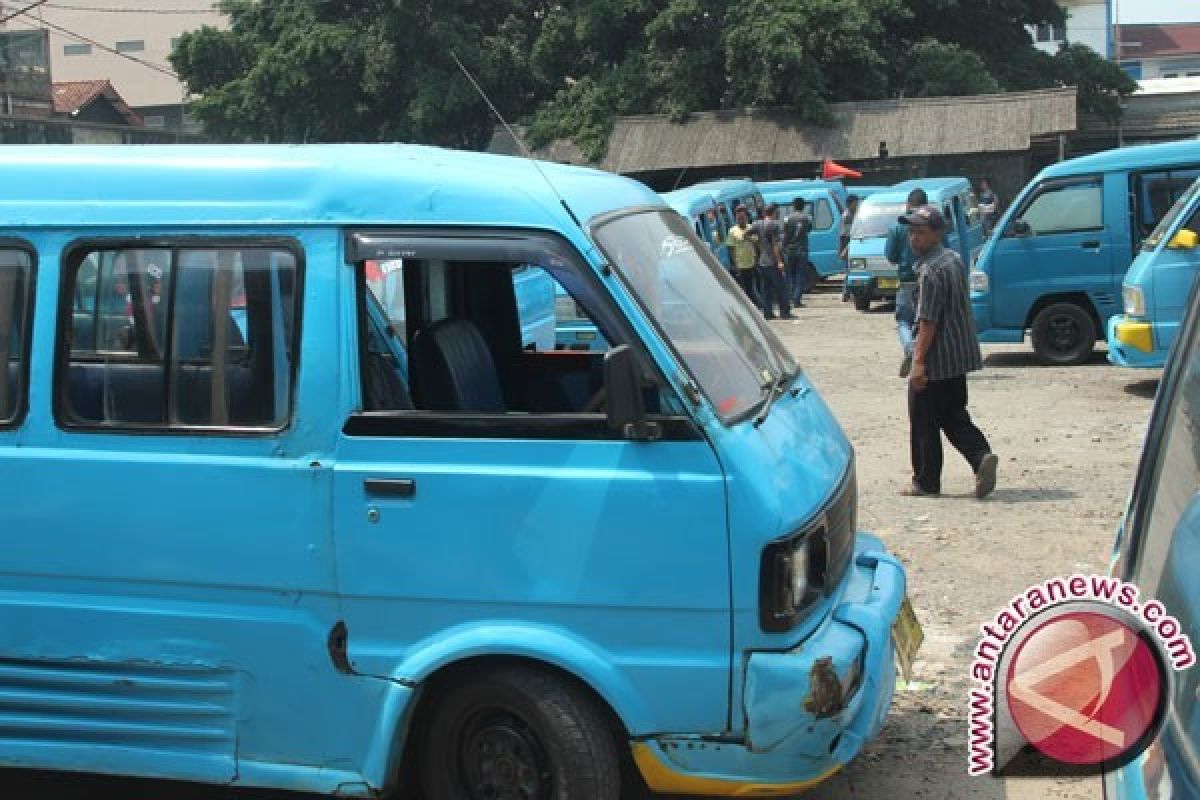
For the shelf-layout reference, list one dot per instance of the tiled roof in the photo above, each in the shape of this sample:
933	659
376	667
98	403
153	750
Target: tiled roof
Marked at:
1157	41
71	97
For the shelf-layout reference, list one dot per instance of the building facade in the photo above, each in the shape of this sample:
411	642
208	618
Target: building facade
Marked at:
1151	52
1087	23
126	42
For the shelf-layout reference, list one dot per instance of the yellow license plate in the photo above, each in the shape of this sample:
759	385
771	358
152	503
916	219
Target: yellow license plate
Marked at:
907	637
888	283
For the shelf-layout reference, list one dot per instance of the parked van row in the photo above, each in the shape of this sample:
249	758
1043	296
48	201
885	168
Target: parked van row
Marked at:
1056	263
301	493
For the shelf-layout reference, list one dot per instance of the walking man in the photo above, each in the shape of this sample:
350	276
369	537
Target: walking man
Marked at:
773	284
945	351
796	227
899	252
847	224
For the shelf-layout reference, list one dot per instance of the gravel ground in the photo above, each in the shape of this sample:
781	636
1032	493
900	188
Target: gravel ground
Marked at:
1068	441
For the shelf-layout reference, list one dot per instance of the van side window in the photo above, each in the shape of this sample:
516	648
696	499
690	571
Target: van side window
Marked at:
178	337
1065	208
1155	193
823	215
480	337
16	273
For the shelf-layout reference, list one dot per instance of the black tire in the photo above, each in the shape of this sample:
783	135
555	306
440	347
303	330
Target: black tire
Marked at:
520	733
862	302
1063	335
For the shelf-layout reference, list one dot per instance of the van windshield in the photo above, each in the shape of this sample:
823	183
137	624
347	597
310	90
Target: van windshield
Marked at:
875	219
729	351
1169	221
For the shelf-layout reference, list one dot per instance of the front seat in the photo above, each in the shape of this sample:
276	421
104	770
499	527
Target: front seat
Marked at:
452	369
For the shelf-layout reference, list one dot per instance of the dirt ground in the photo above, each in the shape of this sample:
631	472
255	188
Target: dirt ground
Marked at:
1068	441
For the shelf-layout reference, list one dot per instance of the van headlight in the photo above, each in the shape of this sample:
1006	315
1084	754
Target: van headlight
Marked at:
979	281
784	588
858	263
1135	301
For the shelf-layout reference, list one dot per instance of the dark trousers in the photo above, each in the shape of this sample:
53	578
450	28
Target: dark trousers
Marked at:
941	406
798	268
774	290
745	278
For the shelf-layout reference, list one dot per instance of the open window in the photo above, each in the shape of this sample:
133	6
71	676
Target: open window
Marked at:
177	336
460	335
1154	193
1062	207
16	293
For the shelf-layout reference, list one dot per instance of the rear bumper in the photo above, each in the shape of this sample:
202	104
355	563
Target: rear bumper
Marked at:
1131	343
809	710
868	284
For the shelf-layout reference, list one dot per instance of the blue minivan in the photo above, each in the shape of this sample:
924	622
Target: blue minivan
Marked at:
1158	550
871	276
1058	256
824	240
364	538
1156	287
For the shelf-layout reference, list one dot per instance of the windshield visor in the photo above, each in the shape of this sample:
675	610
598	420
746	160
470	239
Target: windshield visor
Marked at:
1169	221
875	220
703	315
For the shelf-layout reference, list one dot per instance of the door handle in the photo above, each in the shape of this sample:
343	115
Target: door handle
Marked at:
378	487
1091	244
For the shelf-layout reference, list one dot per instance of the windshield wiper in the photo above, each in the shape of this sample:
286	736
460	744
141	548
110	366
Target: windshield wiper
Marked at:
773	390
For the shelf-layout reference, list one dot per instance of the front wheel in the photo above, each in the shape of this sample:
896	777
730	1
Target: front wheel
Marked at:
862	302
519	733
1063	335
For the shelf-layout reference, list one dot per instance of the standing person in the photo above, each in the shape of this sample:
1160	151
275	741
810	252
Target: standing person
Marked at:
773	284
742	252
989	207
796	227
716	240
898	251
945	351
844	245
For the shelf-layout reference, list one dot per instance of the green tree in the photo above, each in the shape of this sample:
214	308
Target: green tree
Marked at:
939	69
1102	85
358	70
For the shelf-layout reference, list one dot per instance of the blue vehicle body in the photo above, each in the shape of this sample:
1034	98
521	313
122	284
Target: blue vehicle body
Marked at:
694	204
1158	550
824	240
277	604
726	192
1056	261
1156	286
805	184
871	276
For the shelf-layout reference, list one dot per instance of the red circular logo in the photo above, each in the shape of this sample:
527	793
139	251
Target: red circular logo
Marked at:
1084	688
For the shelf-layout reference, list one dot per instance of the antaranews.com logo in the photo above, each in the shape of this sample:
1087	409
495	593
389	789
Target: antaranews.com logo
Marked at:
1072	678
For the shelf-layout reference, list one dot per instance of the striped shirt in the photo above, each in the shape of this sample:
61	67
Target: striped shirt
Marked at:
942	298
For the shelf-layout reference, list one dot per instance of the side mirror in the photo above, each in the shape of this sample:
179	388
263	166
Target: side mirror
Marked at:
623	391
1184	239
1021	228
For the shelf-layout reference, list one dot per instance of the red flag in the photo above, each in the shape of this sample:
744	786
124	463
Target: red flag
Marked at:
831	169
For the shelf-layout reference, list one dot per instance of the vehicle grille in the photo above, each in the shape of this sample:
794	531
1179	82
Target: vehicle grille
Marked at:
841	522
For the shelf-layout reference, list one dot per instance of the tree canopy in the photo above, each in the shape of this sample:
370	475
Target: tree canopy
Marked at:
368	70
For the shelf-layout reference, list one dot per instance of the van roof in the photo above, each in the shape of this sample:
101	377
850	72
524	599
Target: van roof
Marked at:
787	194
1122	158
691	200
932	186
338	184
726	186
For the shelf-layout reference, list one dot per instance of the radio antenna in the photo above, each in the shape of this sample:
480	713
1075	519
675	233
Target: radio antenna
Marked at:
520	142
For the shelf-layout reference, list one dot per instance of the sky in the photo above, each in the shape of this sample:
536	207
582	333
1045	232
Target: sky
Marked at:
1132	12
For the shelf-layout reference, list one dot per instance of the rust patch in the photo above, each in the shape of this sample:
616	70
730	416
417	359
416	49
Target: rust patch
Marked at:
825	692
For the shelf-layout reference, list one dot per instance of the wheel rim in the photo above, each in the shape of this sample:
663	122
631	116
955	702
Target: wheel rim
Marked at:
502	759
1063	334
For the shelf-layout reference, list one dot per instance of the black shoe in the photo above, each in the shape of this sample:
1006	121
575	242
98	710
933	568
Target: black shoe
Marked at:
985	478
768	316
788	316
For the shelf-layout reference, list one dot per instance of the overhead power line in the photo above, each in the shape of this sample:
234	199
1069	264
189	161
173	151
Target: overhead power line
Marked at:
81	38
99	10
15	14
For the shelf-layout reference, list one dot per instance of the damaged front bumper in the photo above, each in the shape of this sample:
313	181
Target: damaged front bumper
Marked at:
809	710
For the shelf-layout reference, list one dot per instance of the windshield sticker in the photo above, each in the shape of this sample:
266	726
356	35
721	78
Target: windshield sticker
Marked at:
674	245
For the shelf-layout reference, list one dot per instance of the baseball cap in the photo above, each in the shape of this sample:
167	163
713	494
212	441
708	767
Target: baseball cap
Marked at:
924	215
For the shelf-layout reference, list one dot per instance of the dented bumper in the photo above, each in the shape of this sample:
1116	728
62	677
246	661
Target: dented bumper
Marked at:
809	710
